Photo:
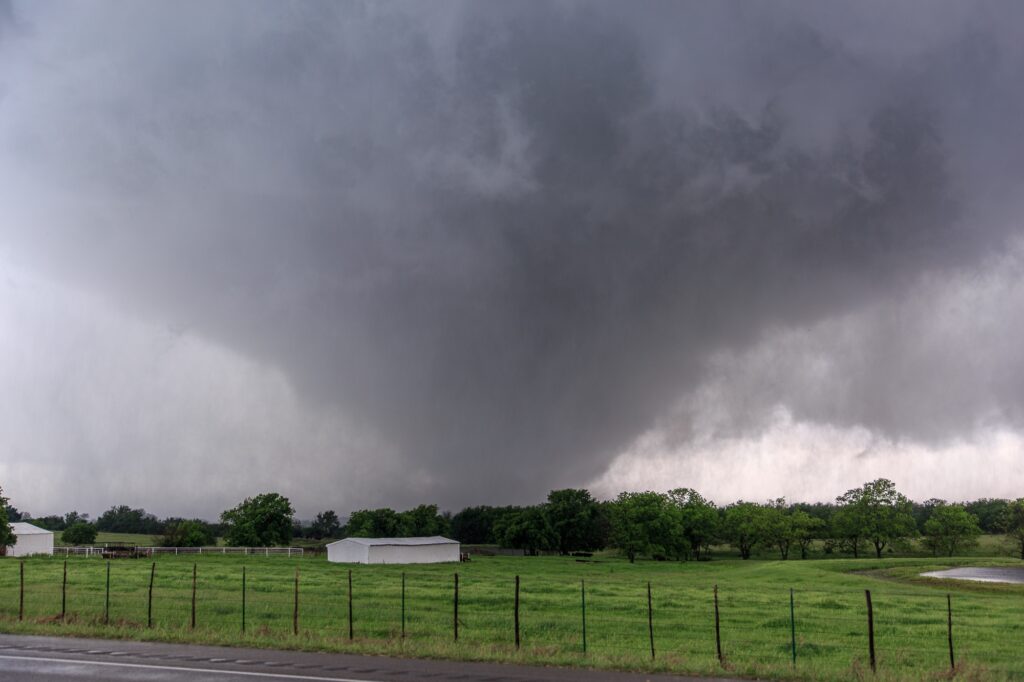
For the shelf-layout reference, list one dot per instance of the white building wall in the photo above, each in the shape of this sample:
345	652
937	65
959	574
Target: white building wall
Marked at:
413	554
36	543
346	552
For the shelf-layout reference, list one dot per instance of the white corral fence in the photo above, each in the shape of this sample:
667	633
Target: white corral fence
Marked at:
151	551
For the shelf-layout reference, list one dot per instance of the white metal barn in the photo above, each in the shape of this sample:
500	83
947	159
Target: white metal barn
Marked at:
432	550
31	540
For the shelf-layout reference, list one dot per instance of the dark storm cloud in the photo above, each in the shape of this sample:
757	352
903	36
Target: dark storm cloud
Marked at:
507	237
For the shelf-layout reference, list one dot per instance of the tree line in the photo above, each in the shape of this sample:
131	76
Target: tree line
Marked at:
678	524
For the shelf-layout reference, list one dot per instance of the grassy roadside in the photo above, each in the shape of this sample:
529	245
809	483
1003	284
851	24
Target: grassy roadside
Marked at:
910	615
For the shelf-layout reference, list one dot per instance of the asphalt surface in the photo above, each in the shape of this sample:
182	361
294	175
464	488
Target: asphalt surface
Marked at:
59	659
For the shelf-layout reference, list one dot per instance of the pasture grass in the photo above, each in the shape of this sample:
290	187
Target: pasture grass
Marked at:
754	606
103	538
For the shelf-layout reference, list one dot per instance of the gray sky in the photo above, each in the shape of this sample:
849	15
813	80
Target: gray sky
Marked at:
377	254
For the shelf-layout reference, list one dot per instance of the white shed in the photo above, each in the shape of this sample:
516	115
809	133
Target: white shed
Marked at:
432	550
31	540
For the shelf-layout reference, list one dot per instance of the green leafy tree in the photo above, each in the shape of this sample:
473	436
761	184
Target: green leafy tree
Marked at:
989	513
744	526
187	533
53	522
259	521
73	517
949	528
806	529
422	521
883	514
325	525
1011	522
646	523
529	530
374	523
575	517
778	530
79	533
7	536
699	521
124	519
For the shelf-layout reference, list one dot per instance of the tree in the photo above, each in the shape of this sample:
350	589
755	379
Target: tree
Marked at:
745	525
124	519
778	530
806	529
187	533
529	530
422	521
326	525
1011	522
73	517
645	523
950	527
80	533
7	536
989	513
373	523
259	521
876	512
575	518
699	520
53	522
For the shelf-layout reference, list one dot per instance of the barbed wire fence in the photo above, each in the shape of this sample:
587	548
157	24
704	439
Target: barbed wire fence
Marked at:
622	620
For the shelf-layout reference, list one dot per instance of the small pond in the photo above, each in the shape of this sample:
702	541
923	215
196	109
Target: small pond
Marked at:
983	575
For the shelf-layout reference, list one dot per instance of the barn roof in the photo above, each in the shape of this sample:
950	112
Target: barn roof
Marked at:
22	528
406	542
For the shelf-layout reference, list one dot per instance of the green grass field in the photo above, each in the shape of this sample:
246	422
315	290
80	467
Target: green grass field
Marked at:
830	613
103	538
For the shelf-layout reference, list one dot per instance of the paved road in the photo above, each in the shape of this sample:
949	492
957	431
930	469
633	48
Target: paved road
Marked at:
59	659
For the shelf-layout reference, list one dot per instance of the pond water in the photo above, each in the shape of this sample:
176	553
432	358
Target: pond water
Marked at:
983	575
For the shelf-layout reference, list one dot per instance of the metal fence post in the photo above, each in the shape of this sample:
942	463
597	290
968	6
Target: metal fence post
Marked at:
718	632
871	630
650	618
455	613
583	608
517	612
949	630
64	593
149	605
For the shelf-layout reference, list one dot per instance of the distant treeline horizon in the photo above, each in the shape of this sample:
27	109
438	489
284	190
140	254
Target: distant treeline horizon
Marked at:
678	524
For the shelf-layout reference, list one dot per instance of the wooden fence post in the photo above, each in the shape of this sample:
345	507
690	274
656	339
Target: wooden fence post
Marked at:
517	612
106	602
243	600
295	612
193	622
21	591
650	618
949	630
455	613
718	632
583	608
64	593
871	630
351	633
149	604
792	624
